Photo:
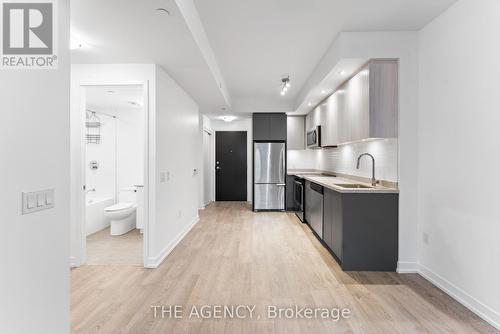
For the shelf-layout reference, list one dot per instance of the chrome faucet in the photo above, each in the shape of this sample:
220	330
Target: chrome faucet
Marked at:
374	181
89	190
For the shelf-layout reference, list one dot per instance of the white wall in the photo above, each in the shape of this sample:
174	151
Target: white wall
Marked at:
174	152
177	153
129	147
241	124
458	148
34	248
208	176
98	74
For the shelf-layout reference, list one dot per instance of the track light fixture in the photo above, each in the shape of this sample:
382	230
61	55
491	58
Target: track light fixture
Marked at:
285	84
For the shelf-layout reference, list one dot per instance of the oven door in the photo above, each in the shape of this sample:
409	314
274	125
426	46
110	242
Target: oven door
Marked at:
298	190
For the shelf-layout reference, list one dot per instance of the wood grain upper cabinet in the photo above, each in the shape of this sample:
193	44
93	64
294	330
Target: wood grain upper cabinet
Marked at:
295	129
334	130
313	119
384	98
269	126
366	106
358	105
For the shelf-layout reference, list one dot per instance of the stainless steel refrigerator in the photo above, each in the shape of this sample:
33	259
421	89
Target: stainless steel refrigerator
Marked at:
269	176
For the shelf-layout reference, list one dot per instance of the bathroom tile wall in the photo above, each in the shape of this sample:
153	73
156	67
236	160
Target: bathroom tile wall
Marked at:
343	159
103	178
120	154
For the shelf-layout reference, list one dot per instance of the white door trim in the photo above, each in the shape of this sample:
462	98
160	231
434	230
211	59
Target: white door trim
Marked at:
78	159
211	166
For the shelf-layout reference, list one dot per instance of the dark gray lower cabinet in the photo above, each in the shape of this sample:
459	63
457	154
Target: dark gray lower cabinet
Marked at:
361	230
332	224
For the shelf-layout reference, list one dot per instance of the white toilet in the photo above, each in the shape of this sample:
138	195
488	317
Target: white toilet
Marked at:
123	213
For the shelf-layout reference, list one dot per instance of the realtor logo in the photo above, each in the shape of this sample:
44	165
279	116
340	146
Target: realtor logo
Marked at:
28	35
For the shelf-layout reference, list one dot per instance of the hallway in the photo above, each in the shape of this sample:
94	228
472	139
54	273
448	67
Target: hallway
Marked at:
234	256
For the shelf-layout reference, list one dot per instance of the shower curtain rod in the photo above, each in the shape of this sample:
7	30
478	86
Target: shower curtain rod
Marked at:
100	112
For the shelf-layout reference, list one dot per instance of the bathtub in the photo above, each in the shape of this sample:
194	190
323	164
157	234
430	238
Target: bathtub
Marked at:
94	213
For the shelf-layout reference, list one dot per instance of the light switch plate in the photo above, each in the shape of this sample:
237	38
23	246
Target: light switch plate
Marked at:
40	199
37	200
164	177
30	201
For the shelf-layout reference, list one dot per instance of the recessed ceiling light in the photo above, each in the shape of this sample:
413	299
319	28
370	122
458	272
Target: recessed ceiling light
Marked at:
342	72
310	104
228	118
163	11
75	43
323	91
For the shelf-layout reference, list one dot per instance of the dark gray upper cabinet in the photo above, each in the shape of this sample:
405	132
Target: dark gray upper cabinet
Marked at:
261	127
269	126
277	126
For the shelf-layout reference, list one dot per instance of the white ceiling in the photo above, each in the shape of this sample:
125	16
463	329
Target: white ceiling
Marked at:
132	31
110	99
257	41
254	42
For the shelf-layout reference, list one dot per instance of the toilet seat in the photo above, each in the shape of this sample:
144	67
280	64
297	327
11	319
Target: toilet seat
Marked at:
119	206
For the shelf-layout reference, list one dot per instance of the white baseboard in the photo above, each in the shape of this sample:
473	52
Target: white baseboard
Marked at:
155	261
73	263
483	311
407	267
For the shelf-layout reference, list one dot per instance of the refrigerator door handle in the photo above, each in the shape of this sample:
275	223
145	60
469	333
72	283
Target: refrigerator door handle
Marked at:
283	163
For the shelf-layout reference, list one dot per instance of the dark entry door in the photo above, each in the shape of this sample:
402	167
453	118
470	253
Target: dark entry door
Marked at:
231	166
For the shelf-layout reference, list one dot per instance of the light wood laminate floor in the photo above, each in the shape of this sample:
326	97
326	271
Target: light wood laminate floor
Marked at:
106	249
234	256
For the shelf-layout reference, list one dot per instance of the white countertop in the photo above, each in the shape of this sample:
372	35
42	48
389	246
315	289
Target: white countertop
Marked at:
332	182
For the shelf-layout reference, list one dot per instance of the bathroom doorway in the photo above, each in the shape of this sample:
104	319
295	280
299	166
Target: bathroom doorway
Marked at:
114	173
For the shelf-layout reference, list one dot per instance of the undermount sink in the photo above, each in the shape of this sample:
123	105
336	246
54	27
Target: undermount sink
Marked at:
353	186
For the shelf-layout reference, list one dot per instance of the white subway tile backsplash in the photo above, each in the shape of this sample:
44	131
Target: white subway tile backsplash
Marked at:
302	159
343	159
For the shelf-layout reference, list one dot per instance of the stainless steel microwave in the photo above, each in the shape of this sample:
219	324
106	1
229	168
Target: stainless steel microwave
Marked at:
314	137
